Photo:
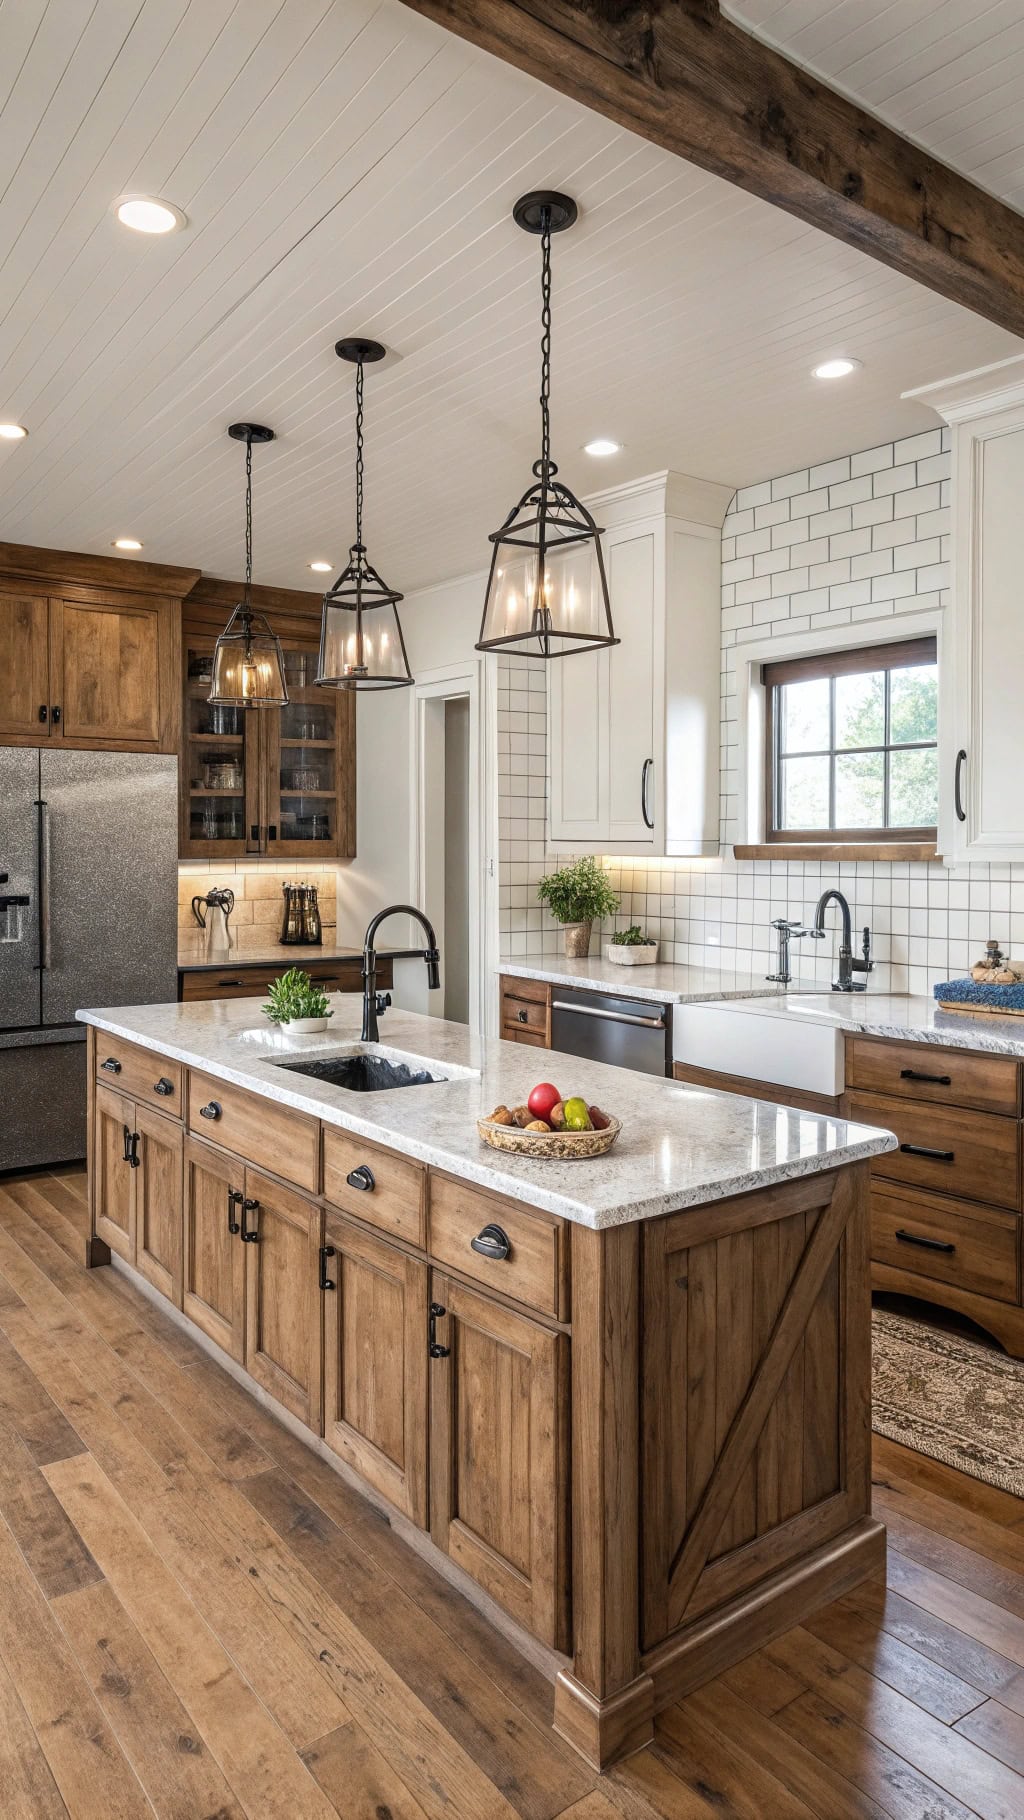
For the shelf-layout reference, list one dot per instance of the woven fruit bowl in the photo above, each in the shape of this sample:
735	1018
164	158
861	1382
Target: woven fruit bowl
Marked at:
554	1146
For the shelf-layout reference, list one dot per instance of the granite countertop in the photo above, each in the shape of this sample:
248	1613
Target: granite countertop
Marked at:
904	1018
679	1146
663	980
192	953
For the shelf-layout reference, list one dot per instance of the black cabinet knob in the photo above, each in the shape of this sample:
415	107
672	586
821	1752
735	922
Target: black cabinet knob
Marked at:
163	1086
43	712
362	1178
523	1017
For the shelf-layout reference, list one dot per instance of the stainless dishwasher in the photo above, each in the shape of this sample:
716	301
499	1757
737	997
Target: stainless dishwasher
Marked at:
629	1032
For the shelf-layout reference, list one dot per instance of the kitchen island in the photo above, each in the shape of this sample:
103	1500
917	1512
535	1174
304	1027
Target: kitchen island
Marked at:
626	1399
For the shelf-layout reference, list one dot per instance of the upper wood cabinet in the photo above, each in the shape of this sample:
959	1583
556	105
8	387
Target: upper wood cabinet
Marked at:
89	651
278	782
634	729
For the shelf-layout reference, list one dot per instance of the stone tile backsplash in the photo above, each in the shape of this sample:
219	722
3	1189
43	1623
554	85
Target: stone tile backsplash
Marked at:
862	537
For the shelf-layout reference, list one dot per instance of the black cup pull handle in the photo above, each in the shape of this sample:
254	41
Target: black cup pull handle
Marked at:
437	1312
111	1065
211	1110
932	1080
492	1242
958	801
326	1251
235	1199
934	1156
915	1238
163	1087
250	1234
523	1016
362	1178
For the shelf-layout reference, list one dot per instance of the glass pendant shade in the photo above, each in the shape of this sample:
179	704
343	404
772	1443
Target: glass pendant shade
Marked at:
361	643
248	667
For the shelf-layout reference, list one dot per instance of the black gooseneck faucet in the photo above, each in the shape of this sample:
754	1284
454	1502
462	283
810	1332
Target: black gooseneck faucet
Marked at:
848	966
374	1002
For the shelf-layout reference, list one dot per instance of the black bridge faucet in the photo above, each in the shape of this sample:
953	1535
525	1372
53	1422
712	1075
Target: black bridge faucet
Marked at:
374	1002
848	966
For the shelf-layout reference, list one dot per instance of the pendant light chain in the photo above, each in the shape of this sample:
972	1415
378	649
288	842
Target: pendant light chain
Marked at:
545	348
359	457
248	521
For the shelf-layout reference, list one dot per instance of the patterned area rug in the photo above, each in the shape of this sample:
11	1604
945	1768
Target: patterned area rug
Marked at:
956	1399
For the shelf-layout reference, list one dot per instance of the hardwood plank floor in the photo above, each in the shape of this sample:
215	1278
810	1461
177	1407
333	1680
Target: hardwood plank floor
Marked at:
200	1620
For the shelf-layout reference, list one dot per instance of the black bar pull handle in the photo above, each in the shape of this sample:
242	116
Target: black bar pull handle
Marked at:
916	1238
163	1087
232	982
235	1199
127	1142
362	1178
492	1243
326	1251
131	1147
211	1110
934	1156
111	1065
250	1235
437	1351
932	1080
55	716
644	776
958	803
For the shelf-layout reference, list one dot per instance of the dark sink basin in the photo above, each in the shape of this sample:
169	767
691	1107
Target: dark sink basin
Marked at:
363	1073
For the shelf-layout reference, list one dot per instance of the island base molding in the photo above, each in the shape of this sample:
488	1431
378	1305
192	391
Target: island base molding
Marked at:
604	1731
1001	1319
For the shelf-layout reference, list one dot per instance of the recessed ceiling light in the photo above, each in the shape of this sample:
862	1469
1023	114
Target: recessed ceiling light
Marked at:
602	445
13	432
149	214
127	543
321	568
839	368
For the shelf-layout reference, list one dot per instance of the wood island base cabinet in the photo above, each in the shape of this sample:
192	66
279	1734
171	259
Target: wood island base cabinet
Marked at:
648	1445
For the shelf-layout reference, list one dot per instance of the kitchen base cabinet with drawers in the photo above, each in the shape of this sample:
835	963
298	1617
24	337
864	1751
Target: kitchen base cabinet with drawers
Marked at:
643	1449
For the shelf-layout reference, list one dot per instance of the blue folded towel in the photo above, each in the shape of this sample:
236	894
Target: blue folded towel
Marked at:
978	992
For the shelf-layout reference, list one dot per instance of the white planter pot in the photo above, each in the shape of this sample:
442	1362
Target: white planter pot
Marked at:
641	956
305	1026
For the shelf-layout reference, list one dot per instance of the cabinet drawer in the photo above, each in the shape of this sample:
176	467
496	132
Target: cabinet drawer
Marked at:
535	1269
920	1071
273	1137
147	1077
531	1039
971	1154
537	990
949	1241
524	1014
233	981
387	1191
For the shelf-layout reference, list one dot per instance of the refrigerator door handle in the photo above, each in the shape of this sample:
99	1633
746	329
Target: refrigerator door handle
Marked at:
44	885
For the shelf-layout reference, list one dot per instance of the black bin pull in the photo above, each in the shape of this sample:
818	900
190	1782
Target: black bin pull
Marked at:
211	1110
492	1243
163	1086
326	1251
111	1065
250	1236
916	1238
933	1156
362	1178
437	1312
235	1199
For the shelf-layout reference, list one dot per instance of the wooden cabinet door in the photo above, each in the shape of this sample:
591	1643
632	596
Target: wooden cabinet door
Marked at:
24	666
499	1422
158	1202
309	765
634	737
113	1183
213	1288
107	671
283	1302
375	1363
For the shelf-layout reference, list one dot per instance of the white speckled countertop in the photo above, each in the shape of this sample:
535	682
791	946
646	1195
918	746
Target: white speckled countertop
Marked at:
192	953
663	980
906	1019
679	1146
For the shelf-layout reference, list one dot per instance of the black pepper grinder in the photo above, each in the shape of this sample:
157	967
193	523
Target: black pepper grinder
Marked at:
291	923
312	928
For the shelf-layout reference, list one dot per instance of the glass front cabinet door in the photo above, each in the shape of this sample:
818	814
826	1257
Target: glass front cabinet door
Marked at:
276	782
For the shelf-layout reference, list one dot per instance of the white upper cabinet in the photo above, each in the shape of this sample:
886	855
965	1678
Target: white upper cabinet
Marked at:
981	662
634	729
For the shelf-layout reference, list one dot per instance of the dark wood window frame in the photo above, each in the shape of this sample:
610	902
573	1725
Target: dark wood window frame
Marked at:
899	654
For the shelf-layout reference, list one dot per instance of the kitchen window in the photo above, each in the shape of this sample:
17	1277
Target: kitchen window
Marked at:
852	745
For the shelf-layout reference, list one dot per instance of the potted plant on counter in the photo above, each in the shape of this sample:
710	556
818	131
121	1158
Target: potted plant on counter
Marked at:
296	1005
631	948
575	895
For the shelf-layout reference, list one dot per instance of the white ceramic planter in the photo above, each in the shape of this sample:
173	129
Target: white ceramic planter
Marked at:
305	1026
641	956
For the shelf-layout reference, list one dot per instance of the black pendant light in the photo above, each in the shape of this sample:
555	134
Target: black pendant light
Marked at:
248	668
361	643
545	594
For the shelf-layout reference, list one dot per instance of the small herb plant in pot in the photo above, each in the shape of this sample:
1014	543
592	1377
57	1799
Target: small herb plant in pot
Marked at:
631	948
296	1005
575	895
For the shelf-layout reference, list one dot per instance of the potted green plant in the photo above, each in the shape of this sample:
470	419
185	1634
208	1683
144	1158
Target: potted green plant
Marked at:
575	895
296	1005
631	948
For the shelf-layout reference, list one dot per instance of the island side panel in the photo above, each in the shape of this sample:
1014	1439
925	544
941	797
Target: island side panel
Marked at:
97	1251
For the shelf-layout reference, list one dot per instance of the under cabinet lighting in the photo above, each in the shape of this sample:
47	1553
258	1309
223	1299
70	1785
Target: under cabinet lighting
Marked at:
13	432
149	214
126	543
839	368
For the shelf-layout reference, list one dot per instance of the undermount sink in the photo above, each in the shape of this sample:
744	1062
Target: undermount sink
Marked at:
764	1040
371	1068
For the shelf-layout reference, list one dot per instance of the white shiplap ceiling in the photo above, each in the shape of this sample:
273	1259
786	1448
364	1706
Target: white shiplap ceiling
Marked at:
346	166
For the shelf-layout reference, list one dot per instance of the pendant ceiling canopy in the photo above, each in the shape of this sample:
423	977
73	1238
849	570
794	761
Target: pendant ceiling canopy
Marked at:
361	643
248	667
547	591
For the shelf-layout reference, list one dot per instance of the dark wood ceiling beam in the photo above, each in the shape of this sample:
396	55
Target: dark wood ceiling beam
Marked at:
691	81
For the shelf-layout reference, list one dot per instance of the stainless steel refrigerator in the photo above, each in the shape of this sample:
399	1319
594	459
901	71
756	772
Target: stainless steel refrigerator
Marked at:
88	917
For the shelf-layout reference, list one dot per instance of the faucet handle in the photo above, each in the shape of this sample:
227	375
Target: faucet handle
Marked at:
383	1000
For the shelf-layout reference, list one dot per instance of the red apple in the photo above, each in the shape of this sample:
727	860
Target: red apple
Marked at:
541	1100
